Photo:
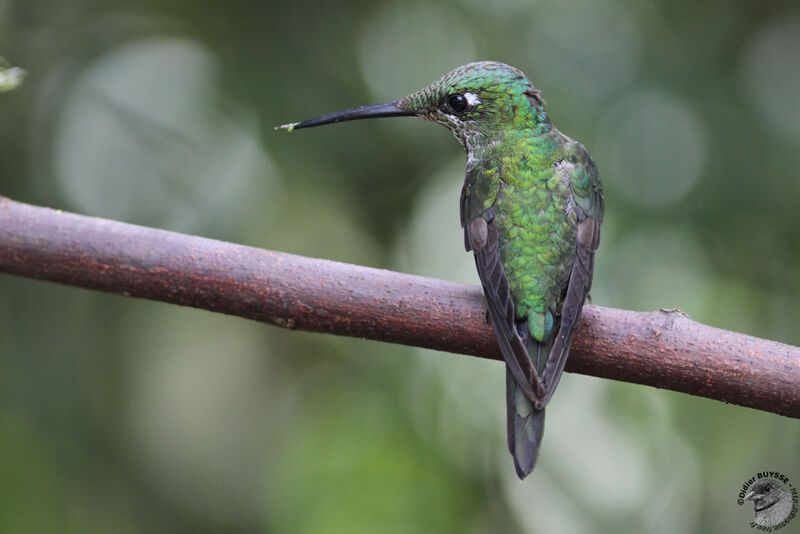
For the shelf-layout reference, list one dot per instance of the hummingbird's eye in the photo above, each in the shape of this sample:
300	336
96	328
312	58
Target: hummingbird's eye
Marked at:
458	103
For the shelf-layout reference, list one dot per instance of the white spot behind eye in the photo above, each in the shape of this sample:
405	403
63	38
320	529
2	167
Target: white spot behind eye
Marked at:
472	99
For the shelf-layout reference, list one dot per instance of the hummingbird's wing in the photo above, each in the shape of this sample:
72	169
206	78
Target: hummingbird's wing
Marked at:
480	236
525	424
579	170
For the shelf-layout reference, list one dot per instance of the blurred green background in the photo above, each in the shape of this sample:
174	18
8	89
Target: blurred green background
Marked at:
118	415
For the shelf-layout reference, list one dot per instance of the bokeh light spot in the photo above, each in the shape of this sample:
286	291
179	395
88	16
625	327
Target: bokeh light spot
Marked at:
590	47
770	72
656	148
144	137
406	46
652	268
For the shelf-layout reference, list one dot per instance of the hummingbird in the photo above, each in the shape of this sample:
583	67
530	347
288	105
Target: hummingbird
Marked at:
531	208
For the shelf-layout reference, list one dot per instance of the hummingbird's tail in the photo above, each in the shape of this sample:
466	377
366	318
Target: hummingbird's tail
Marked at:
525	428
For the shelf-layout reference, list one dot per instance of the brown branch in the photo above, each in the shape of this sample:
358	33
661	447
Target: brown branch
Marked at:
663	349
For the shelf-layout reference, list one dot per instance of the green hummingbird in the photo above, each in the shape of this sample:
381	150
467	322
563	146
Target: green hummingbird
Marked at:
531	208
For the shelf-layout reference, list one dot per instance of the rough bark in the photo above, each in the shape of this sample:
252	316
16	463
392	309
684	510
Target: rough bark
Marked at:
664	349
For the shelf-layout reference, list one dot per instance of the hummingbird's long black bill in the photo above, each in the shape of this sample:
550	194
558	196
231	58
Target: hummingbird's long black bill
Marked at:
389	109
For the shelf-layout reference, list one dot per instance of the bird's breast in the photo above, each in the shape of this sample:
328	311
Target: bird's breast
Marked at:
536	232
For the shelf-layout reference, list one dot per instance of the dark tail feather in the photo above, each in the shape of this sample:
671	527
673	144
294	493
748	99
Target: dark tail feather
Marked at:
525	428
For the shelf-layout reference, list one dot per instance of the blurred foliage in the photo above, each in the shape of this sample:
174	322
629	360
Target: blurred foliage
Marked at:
10	76
129	416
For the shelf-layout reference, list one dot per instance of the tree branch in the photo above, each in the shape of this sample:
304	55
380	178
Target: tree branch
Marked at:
664	349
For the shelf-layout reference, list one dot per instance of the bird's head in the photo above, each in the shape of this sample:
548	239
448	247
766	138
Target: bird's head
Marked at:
478	102
765	493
